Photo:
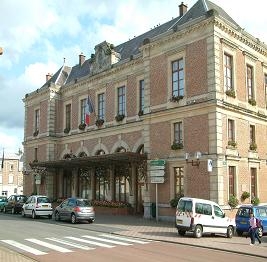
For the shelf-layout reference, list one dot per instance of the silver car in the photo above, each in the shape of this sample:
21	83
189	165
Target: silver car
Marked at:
75	209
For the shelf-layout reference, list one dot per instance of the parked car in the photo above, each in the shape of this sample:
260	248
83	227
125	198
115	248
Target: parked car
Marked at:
3	200
242	218
37	205
74	210
14	204
202	216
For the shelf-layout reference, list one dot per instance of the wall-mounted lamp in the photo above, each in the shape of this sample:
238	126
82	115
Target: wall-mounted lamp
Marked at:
193	162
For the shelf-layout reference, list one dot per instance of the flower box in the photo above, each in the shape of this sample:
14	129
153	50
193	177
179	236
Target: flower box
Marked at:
230	92
119	117
252	101
176	98
115	211
176	146
66	130
82	126
99	122
36	132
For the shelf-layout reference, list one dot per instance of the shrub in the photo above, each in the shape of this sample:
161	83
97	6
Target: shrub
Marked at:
173	202
245	195
255	201
233	201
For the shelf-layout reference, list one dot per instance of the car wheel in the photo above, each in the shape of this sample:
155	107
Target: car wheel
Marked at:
4	210
90	221
198	231
230	232
49	216
22	213
239	233
181	232
13	211
33	214
73	218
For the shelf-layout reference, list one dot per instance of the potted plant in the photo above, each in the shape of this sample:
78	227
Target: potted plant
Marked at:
245	195
232	143
253	146
252	101
233	201
177	145
66	130
119	117
82	126
36	132
176	98
230	92
99	122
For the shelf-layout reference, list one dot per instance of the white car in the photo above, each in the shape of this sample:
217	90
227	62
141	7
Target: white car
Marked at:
37	205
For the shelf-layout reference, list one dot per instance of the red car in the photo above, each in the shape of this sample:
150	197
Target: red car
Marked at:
14	204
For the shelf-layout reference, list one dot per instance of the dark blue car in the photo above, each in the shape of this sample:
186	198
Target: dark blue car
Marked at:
242	218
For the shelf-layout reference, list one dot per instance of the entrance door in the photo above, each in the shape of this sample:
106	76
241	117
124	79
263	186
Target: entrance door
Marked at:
67	183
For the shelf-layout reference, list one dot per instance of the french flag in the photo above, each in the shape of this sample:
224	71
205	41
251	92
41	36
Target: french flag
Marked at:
89	110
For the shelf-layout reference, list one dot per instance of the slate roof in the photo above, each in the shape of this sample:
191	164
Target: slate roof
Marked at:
198	11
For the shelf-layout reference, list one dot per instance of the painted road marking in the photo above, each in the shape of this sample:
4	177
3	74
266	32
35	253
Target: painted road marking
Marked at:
90	242
126	239
108	240
65	242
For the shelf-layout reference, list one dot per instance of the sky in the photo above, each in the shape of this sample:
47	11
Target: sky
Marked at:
37	35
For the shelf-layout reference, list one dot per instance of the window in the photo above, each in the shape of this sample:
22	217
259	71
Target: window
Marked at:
141	95
218	212
101	106
36	120
83	110
11	167
204	209
178	133
179	181
232	173
35	154
231	130
252	134
265	86
68	116
250	83
178	78
10	179
228	72
121	100
253	182
1	180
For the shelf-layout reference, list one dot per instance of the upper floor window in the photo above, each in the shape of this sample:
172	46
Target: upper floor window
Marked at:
10	179
36	120
250	82
141	95
178	78
178	133
68	116
35	154
11	167
252	134
231	130
121	100
232	173
228	72
179	181
101	106
265	86
1	180
253	182
83	110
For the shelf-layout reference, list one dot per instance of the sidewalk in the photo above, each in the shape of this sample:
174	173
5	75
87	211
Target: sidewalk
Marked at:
159	231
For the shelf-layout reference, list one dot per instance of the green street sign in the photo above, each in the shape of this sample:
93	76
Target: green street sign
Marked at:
158	162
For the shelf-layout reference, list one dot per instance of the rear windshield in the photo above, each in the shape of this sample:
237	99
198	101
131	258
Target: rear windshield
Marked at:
84	203
261	212
43	200
184	205
243	212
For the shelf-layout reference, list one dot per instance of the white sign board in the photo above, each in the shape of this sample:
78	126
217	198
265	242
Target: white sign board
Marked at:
157	179
157	173
209	165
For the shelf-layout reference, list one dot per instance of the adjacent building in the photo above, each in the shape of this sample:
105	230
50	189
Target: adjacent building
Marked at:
11	176
178	110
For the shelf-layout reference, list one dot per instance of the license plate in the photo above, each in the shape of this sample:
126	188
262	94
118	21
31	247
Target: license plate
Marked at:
44	205
179	221
243	223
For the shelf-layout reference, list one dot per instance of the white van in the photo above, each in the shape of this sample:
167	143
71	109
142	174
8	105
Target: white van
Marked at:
202	216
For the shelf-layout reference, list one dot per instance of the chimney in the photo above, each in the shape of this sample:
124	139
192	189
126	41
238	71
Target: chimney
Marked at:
182	9
48	76
81	59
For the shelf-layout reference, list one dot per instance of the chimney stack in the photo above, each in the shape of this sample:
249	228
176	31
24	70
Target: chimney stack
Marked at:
182	9
48	76
81	59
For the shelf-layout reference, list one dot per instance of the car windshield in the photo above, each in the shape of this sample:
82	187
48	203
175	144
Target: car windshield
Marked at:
43	200
84	203
2	199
